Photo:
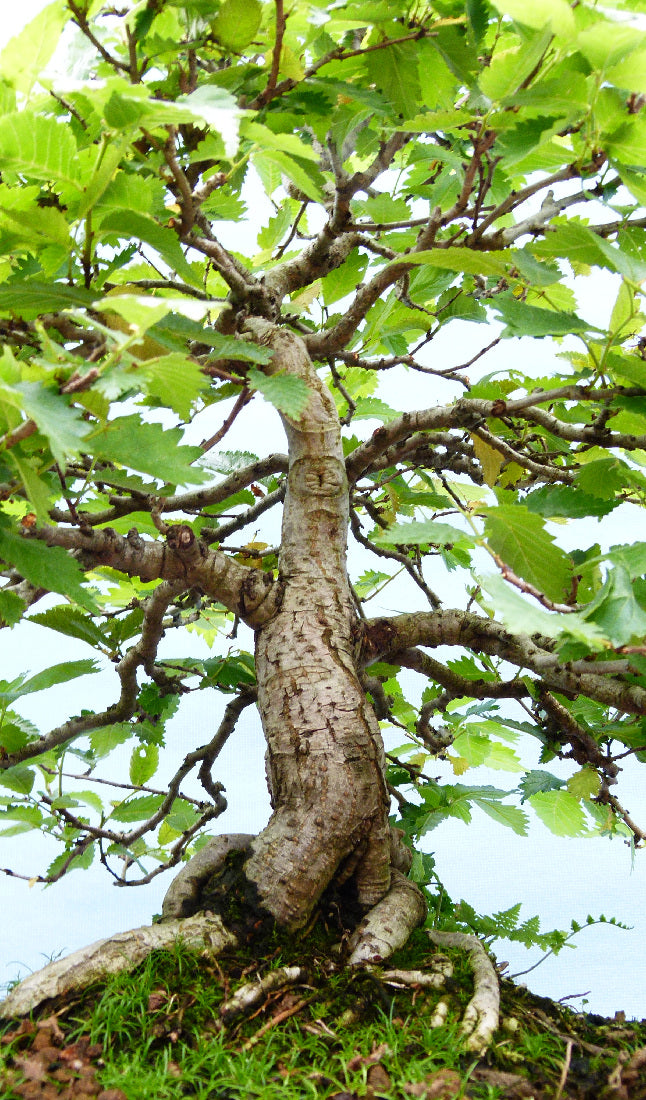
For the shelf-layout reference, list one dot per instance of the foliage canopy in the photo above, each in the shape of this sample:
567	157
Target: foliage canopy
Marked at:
436	173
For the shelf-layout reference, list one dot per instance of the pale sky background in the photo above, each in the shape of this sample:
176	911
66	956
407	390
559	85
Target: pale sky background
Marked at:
485	864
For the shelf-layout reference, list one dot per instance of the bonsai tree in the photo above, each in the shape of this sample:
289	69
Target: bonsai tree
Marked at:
431	168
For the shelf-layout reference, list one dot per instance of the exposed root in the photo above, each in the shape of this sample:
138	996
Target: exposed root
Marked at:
389	923
482	1012
123	951
433	978
247	996
182	898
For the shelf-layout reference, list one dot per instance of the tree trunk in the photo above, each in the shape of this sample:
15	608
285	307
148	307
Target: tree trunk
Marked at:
325	761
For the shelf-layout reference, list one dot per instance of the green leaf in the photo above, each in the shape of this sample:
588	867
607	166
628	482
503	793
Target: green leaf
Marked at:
464	260
62	425
19	779
522	319
106	738
616	611
393	71
143	763
421	532
41	681
48	567
28	298
566	500
539	13
137	809
511	816
182	815
519	538
304	174
126	224
237	22
80	862
176	380
524	616
286	392
11	608
602	478
537	780
150	448
73	623
560	811
373	408
38	146
26	56
90	798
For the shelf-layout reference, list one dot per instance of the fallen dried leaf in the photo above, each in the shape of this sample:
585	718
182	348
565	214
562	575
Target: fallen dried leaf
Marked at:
516	1087
445	1084
376	1054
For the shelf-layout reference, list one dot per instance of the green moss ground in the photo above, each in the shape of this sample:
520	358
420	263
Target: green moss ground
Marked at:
155	1034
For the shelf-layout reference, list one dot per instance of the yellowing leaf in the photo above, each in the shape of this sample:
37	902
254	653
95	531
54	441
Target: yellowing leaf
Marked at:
584	783
489	458
459	764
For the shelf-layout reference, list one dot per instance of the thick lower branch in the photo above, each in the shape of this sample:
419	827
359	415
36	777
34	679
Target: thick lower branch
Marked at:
250	593
389	636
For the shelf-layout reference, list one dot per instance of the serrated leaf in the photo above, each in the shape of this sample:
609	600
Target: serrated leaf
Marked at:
55	674
73	623
11	608
373	408
560	811
137	809
106	738
520	539
286	393
48	567
566	501
602	478
143	763
522	319
91	799
489	458
511	816
459	259
540	13
19	779
128	224
80	862
420	532
176	380
585	783
62	425
37	490
536	781
29	298
394	72
150	448
524	617
182	815
237	22
304	174
615	610
26	56
40	147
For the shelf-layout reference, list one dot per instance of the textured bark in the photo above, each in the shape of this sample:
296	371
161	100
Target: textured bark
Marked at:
324	748
123	951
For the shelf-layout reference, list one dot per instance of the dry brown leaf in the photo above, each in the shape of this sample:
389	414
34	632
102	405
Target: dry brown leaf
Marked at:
376	1054
445	1084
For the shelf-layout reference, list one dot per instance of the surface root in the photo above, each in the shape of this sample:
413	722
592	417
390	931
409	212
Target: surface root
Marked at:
482	1013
